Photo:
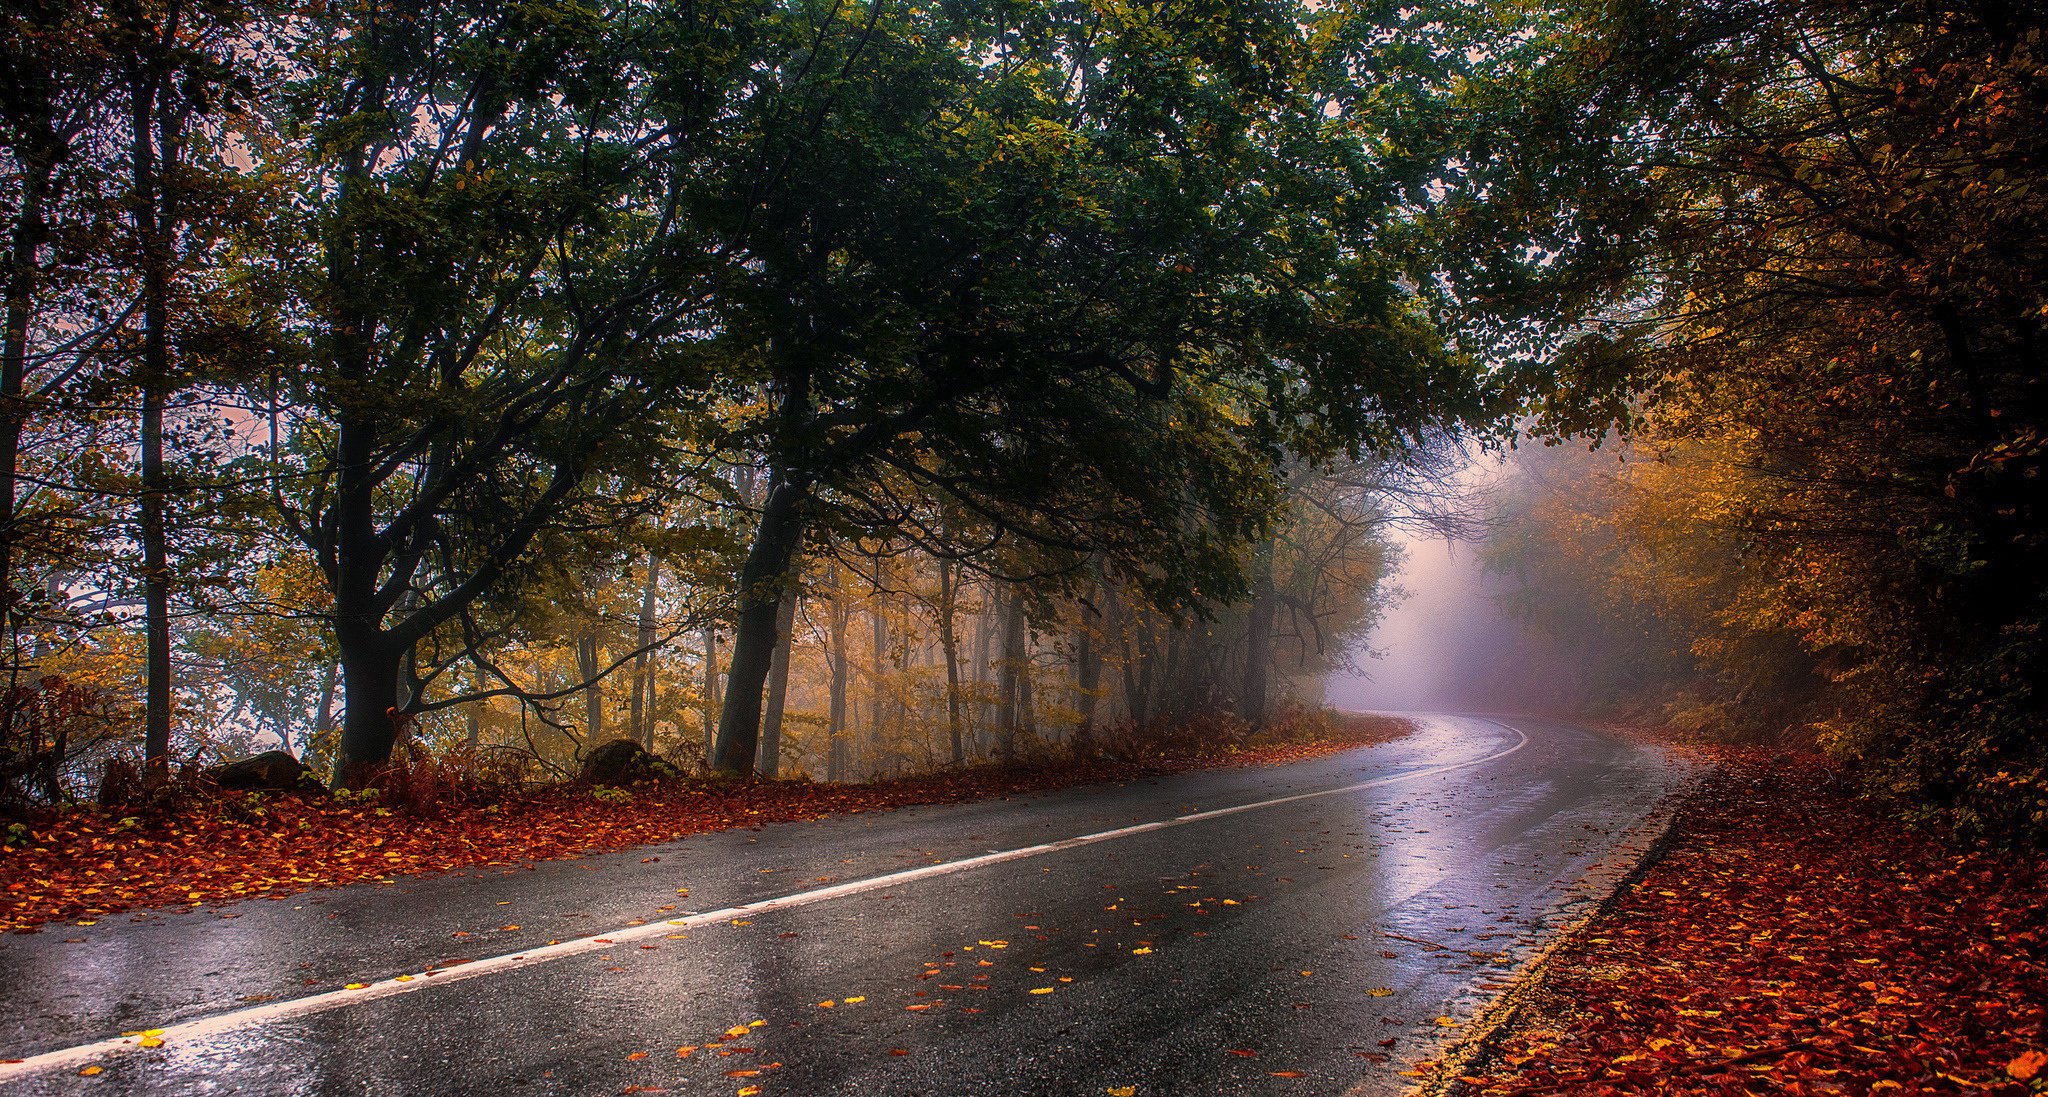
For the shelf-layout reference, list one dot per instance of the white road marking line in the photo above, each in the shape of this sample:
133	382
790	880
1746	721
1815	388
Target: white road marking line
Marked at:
187	1032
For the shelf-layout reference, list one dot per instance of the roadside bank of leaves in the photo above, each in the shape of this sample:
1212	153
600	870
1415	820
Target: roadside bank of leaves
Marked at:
84	864
1793	942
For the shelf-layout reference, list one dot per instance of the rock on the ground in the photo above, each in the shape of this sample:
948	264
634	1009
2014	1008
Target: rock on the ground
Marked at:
623	762
270	771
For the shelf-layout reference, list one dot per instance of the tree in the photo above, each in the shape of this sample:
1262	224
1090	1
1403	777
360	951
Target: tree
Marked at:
1795	247
1083	294
499	302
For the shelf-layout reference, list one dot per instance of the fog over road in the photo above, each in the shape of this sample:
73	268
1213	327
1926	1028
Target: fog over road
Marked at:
1355	900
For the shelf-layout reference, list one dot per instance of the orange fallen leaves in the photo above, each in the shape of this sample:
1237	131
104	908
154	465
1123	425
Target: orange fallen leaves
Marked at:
1792	942
216	851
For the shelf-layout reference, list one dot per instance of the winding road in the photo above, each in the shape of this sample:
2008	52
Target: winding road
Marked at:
1314	928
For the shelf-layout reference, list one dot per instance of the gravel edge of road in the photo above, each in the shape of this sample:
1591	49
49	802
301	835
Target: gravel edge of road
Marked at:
1510	1006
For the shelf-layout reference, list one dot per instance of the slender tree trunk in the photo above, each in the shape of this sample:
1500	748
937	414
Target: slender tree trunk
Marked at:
42	152
983	664
1087	677
150	148
639	715
878	634
588	664
950	645
711	700
766	577
1011	691
323	716
1123	624
770	763
1258	660
156	591
835	759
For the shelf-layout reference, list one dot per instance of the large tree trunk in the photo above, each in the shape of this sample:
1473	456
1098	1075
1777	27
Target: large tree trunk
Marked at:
770	763
639	714
369	658
763	581
950	645
835	758
369	670
1258	659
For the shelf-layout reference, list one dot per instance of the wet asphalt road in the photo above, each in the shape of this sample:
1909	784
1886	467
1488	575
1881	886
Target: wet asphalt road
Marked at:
1318	946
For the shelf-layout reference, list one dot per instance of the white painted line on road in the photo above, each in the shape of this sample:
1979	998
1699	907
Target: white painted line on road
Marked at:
188	1032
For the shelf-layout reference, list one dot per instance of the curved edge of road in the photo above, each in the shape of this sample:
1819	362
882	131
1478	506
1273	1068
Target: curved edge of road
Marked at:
1653	836
202	1028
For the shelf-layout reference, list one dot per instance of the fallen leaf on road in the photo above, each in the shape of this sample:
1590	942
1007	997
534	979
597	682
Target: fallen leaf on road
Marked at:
1381	992
636	1056
1244	1051
90	1071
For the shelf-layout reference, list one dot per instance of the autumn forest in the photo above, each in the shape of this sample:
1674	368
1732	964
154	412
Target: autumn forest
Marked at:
545	428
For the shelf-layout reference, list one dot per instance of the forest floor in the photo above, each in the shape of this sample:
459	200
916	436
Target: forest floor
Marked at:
213	848
1789	941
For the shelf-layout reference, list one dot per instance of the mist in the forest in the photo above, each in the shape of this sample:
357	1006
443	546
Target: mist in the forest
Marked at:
1446	642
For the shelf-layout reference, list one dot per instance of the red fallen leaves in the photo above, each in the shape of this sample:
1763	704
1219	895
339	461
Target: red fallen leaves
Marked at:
1792	943
85	863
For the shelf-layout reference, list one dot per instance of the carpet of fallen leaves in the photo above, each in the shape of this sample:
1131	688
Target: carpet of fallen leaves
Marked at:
220	848
1792	942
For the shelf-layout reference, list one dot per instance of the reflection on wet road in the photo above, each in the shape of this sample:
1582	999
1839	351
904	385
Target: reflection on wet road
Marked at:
1315	945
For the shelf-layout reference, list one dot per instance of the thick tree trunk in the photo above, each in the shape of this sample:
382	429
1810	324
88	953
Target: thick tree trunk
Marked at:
369	670
1258	659
949	644
770	763
763	581
639	714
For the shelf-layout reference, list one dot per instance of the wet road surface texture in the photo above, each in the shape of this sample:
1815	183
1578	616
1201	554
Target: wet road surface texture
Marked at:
1318	945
